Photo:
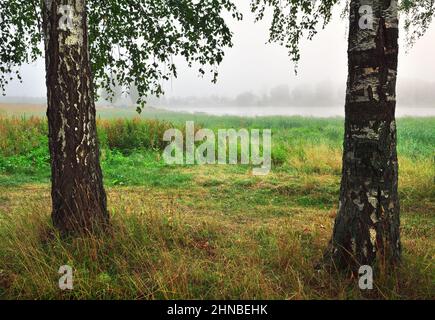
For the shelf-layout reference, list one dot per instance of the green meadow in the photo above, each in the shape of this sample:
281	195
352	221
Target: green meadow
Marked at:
205	231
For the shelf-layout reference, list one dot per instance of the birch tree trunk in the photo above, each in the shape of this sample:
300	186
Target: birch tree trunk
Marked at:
367	225
78	196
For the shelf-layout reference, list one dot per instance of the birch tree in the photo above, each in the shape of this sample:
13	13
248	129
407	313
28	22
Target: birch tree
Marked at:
87	44
367	223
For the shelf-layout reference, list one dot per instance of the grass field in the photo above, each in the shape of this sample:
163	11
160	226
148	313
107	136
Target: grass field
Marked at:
197	232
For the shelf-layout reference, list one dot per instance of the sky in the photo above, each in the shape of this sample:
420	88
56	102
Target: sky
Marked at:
255	66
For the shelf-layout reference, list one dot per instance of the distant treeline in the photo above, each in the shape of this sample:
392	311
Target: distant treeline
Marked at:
410	93
324	94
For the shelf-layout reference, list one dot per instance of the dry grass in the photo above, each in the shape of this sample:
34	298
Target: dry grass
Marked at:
184	243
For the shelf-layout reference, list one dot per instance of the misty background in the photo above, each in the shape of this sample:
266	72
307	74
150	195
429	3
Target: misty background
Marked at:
256	78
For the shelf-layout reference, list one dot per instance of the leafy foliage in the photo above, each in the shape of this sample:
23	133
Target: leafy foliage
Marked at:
131	42
418	17
294	20
20	37
137	40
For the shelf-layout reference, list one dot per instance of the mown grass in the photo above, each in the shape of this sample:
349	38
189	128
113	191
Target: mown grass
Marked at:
212	231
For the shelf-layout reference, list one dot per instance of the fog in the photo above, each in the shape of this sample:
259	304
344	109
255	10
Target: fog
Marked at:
257	78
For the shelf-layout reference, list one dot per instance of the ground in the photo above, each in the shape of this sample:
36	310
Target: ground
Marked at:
214	232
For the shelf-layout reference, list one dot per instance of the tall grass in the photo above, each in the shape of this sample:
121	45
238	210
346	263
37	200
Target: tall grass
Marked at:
299	145
131	134
19	136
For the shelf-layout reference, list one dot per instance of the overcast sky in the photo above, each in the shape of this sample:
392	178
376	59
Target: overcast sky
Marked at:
253	65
